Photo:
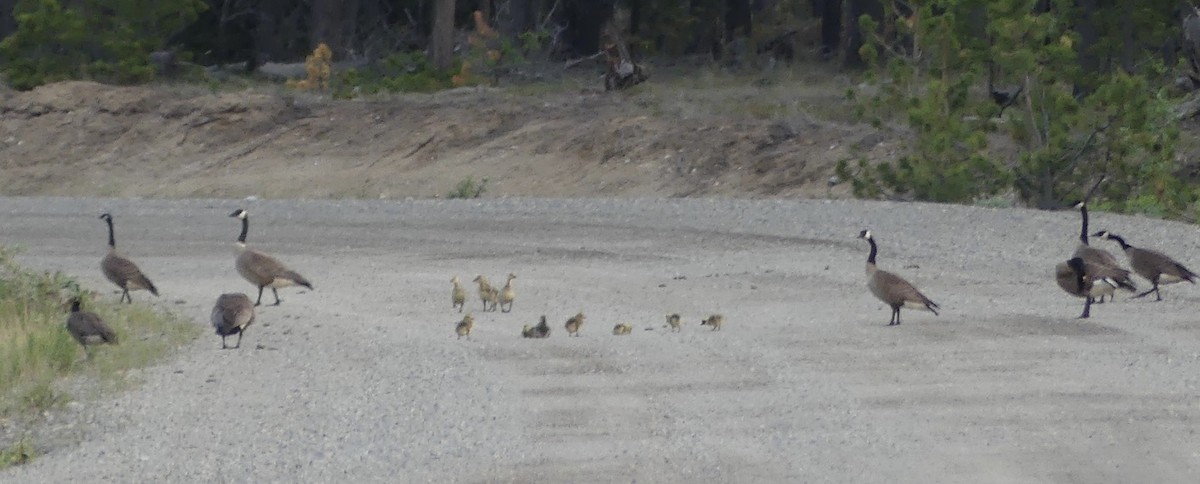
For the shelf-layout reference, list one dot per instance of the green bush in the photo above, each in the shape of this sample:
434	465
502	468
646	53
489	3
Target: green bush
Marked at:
469	188
105	40
1071	123
403	72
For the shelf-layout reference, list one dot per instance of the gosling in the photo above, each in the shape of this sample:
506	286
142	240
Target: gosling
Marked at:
674	322
622	329
465	326
487	293
458	295
574	324
507	294
715	321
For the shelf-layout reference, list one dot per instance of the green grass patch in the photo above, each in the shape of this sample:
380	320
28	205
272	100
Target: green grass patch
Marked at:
16	454
37	353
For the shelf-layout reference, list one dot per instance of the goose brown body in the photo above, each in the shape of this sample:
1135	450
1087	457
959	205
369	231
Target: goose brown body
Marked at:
1101	257
120	270
231	315
1088	280
1155	266
261	269
87	328
892	289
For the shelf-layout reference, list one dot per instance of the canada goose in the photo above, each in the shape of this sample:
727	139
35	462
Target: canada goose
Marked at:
1100	256
716	321
574	324
122	271
893	290
507	294
487	293
458	295
465	326
88	329
261	269
542	330
231	315
1085	279
674	322
1155	266
622	329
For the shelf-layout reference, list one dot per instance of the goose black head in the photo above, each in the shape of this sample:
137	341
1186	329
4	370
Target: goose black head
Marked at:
240	213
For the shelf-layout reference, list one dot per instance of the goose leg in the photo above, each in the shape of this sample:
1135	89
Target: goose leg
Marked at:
259	301
239	343
124	295
276	293
1087	309
897	316
223	342
1152	290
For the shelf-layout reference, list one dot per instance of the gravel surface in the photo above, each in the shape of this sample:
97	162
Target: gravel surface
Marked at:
363	380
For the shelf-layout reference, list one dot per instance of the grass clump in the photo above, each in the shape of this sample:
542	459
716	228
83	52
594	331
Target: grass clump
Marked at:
469	188
17	454
36	351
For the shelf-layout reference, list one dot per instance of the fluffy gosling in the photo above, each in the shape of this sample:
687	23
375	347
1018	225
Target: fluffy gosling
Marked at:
622	329
574	324
507	294
458	295
674	322
465	326
715	321
487	293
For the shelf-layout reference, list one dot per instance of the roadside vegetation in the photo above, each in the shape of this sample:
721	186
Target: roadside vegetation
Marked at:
37	353
995	102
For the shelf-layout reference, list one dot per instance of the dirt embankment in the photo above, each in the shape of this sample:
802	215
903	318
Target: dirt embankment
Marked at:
82	138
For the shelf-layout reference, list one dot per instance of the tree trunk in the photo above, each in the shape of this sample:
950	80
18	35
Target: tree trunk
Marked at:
1085	51
737	15
586	19
441	40
852	36
335	22
518	20
830	12
8	24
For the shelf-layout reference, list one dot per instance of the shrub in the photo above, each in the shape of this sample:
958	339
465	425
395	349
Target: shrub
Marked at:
469	188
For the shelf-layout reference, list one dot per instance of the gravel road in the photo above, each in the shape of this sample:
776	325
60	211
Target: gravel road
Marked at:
362	379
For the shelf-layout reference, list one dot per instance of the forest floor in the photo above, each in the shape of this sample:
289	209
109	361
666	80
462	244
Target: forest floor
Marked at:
697	133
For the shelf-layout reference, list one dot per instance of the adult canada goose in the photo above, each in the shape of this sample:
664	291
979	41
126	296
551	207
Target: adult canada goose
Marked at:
231	315
1100	256
122	271
88	328
1155	266
893	290
542	330
261	269
1085	279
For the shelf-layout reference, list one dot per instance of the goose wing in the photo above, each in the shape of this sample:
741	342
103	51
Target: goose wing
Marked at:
125	273
232	312
895	290
85	326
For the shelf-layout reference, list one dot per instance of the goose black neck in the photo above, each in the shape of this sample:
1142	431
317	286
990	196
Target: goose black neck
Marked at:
245	228
112	241
1083	236
1119	240
75	306
874	250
